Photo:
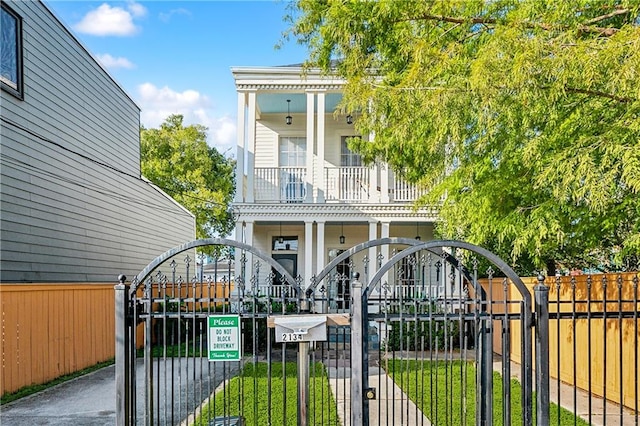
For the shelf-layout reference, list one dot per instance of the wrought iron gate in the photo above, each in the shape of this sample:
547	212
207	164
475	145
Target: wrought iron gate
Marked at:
417	342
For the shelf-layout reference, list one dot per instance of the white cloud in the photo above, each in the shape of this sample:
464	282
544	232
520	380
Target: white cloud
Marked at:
136	9
112	63
157	103
166	17
111	21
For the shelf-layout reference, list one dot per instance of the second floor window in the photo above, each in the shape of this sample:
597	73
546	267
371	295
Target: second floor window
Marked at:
349	158
293	152
11	44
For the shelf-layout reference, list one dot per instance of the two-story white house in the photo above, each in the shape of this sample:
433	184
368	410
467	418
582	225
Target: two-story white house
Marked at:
301	194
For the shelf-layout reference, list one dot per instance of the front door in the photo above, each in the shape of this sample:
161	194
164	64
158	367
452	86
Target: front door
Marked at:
290	263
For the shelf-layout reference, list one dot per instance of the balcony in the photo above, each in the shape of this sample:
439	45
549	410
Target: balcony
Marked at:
341	185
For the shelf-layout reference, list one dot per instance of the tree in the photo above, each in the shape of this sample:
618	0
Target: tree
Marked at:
178	160
522	117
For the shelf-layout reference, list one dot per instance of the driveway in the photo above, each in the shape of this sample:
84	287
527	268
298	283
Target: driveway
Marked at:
90	400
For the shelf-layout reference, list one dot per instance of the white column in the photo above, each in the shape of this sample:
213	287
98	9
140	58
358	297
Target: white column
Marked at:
248	233
384	233
251	142
240	150
373	251
320	180
308	253
320	255
239	233
248	239
310	146
384	178
244	233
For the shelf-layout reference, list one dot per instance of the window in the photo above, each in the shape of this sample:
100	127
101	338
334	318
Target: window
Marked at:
11	64
293	159
348	157
293	152
284	243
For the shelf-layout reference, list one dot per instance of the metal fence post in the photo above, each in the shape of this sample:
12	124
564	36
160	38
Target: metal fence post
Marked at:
358	415
123	408
484	375
303	383
541	293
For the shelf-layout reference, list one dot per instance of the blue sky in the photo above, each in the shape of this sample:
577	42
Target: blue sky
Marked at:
175	56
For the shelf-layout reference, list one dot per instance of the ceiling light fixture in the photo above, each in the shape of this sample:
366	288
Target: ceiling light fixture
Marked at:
417	231
342	239
288	118
280	238
349	119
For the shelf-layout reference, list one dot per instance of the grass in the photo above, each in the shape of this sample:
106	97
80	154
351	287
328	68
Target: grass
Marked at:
30	390
173	351
248	394
420	379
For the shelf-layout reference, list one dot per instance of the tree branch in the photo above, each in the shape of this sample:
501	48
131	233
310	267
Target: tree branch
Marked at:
586	28
598	93
616	12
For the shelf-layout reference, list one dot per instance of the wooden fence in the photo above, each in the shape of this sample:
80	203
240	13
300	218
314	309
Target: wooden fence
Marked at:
49	330
585	350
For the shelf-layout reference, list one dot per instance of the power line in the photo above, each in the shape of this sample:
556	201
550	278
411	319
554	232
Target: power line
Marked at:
10	161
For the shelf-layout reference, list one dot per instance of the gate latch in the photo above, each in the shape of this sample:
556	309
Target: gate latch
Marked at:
370	393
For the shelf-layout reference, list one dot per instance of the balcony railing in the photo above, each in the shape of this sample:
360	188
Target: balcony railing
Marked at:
348	184
342	184
280	184
404	192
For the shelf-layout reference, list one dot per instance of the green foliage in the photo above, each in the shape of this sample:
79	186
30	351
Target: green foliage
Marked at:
252	389
452	383
423	335
522	118
177	159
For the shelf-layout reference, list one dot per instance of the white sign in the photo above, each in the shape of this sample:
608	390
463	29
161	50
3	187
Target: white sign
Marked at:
224	338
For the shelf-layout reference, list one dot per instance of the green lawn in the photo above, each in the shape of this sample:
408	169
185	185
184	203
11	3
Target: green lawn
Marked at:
249	394
421	379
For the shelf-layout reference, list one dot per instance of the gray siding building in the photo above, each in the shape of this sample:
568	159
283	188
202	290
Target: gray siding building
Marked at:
74	206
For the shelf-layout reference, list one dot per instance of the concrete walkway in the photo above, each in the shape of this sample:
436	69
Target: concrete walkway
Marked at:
391	406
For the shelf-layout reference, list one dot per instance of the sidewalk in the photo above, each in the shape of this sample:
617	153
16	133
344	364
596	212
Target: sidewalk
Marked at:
565	397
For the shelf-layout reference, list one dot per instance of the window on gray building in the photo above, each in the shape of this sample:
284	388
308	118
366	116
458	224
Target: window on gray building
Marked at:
11	64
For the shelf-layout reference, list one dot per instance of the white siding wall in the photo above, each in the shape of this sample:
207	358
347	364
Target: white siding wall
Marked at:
266	145
64	216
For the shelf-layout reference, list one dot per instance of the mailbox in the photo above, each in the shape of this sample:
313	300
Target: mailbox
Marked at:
301	328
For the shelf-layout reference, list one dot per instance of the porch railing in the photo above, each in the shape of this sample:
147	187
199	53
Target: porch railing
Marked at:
350	184
404	191
280	184
344	184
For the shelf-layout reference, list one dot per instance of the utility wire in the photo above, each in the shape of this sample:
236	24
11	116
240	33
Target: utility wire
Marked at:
10	161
